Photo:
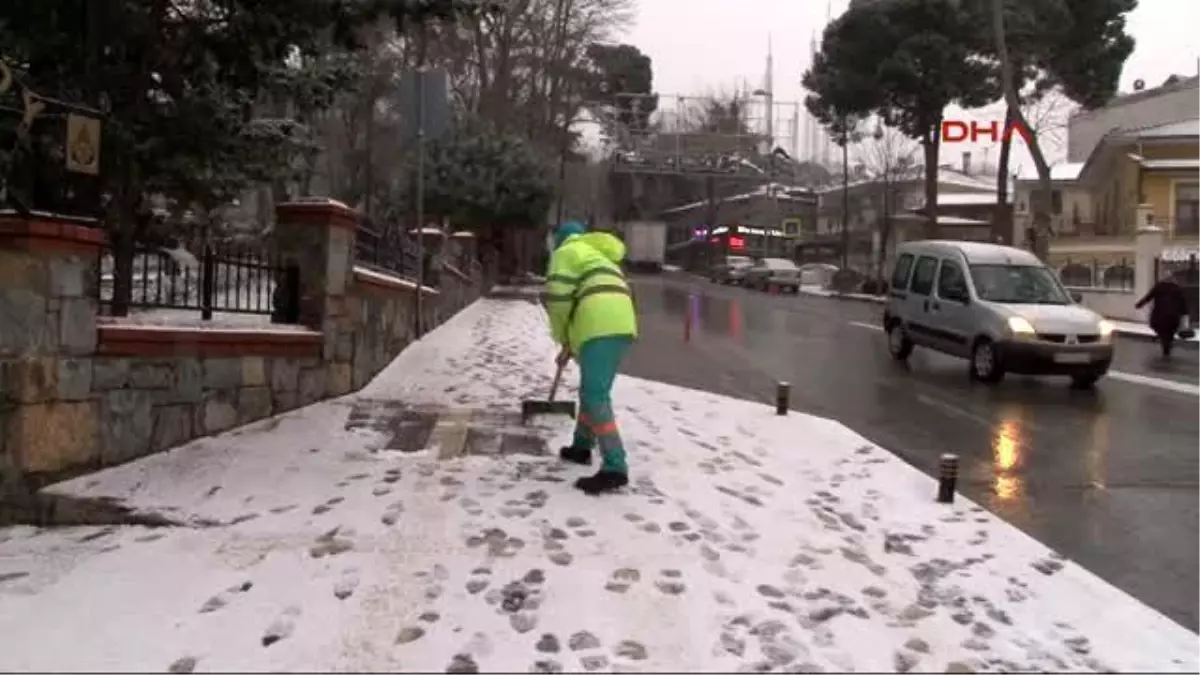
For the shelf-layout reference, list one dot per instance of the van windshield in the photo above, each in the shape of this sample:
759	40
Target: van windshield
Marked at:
1018	285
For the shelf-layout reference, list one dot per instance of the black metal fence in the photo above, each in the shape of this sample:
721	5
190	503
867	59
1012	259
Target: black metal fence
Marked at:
225	278
386	248
1091	273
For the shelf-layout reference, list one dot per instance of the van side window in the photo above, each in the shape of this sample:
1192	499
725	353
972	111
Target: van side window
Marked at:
902	271
951	284
926	270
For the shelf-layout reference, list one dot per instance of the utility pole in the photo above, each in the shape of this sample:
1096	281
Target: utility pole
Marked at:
845	193
562	167
418	323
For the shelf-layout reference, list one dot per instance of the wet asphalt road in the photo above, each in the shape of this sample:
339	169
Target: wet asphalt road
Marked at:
1108	478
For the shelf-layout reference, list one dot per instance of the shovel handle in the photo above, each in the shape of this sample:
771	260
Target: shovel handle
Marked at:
557	377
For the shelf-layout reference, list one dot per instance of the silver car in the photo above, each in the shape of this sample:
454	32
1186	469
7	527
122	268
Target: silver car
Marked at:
731	271
997	306
773	273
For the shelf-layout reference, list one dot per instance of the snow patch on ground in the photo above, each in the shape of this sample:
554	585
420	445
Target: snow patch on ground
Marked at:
827	293
748	542
190	318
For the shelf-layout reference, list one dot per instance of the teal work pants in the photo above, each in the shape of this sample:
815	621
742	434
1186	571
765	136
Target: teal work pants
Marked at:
599	359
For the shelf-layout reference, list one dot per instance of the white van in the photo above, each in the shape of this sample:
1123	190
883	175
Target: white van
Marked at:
997	306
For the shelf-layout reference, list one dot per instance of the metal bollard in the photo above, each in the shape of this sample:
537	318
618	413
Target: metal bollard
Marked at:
782	392
947	478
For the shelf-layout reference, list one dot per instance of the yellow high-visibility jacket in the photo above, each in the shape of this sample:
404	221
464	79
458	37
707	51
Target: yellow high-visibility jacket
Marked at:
587	296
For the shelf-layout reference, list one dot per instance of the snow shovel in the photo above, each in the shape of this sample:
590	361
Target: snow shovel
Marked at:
532	407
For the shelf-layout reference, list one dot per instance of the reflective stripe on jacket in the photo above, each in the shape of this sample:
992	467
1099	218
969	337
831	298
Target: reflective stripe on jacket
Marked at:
587	295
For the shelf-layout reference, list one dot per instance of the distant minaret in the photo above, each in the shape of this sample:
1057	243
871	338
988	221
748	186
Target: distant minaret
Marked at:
769	99
811	130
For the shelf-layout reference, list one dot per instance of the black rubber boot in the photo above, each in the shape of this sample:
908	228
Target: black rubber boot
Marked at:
603	481
575	455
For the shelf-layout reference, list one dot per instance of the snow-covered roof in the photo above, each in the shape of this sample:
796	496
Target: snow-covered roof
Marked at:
1067	171
942	220
786	193
1182	128
1171	164
946	176
966	198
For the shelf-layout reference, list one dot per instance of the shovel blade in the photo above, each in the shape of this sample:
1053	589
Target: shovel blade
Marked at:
531	408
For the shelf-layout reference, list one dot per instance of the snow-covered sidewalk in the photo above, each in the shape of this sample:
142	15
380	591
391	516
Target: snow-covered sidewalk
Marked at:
353	536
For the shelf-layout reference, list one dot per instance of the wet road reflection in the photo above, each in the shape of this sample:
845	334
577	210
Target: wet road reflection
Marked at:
1006	449
1102	476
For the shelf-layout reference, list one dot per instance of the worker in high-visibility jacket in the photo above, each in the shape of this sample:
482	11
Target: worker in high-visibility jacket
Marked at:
593	319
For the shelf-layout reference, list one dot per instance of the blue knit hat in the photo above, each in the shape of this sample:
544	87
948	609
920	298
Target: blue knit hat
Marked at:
567	229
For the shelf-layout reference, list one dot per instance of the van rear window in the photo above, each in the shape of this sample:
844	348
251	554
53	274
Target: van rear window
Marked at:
902	272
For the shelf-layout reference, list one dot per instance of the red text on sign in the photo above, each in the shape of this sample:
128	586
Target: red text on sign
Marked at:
958	131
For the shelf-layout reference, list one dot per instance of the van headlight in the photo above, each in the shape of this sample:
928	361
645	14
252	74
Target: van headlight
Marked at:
1020	326
1106	329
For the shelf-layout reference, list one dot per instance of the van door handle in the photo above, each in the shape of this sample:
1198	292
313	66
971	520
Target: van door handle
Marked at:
926	305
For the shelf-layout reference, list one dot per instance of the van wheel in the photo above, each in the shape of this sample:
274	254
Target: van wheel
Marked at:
985	362
1085	380
899	346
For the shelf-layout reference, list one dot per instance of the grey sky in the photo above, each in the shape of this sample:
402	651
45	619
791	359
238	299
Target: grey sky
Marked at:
706	46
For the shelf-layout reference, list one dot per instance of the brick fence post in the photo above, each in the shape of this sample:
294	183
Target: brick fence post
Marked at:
48	301
318	237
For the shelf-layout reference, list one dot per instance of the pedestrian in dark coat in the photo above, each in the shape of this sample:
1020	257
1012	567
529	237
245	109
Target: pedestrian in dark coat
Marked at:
1169	308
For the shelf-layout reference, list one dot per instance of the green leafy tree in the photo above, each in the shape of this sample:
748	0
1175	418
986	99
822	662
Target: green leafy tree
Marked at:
1075	46
182	80
905	61
479	177
622	77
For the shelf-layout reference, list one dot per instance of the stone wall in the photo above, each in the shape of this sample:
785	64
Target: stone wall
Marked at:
47	336
157	388
79	392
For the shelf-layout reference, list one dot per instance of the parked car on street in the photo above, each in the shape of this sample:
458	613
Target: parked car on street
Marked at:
773	273
731	271
817	274
997	306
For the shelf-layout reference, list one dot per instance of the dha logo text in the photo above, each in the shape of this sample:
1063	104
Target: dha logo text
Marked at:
959	131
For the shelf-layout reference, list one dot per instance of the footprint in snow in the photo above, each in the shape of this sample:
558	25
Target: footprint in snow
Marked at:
586	641
281	627
479	579
670	582
622	579
345	586
186	664
221	599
